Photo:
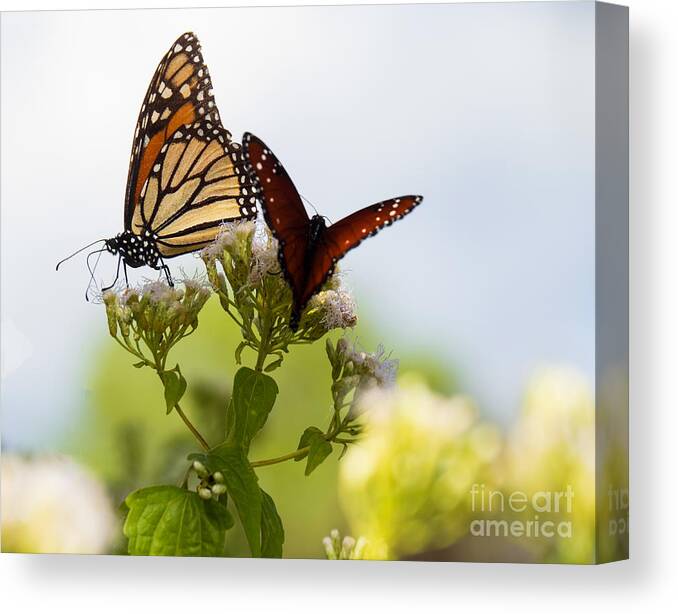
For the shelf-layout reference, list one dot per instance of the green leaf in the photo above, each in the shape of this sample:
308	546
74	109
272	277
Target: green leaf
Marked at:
230	417
139	364
172	521
242	486
273	365
220	507
175	386
253	397
272	532
305	440
329	348
320	450
238	352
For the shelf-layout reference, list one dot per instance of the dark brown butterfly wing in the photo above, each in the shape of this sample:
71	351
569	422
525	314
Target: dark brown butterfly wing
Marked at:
286	217
347	234
186	176
283	210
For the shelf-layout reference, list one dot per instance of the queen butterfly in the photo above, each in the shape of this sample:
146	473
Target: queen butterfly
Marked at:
309	249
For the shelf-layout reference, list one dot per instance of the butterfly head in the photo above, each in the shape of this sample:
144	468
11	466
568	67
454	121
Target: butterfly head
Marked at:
316	227
113	245
135	250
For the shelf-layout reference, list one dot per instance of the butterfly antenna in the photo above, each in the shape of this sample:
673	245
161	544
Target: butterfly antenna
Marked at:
82	249
310	204
91	270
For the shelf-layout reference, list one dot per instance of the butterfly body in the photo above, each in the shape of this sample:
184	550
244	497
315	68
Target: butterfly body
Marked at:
135	250
316	233
309	249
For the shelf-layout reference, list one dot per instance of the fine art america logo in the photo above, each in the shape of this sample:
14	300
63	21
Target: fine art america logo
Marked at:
544	513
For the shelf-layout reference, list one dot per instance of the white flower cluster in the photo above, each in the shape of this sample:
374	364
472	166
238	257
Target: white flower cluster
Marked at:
247	251
337	308
52	505
344	549
264	255
211	485
377	365
230	234
244	270
156	307
157	291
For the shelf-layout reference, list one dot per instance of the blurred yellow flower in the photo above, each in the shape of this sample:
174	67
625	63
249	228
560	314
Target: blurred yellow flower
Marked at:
405	485
612	452
52	505
552	449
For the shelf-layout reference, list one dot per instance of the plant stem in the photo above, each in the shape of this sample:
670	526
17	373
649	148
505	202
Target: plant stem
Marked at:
188	423
159	369
281	459
264	347
331	436
261	358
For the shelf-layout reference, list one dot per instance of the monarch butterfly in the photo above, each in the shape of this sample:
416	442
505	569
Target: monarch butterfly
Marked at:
308	250
186	176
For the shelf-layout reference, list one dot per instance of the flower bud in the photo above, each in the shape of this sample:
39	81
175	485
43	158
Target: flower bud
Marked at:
124	328
347	546
218	477
330	552
218	489
205	493
111	315
335	536
200	469
342	346
345	385
359	548
329	348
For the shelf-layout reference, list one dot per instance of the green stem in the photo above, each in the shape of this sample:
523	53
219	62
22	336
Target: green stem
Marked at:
331	437
131	350
281	459
189	424
261	358
228	311
159	369
264	343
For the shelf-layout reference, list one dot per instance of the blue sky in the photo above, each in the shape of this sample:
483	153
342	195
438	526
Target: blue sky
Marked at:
487	110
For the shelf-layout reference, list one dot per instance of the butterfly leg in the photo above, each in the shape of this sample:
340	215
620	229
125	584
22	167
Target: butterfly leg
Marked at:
165	268
124	268
117	275
91	271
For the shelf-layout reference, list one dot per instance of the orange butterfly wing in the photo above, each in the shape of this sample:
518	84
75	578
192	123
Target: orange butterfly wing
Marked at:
186	175
349	232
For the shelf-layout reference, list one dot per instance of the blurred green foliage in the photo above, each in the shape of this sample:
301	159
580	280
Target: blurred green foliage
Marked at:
413	503
126	438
